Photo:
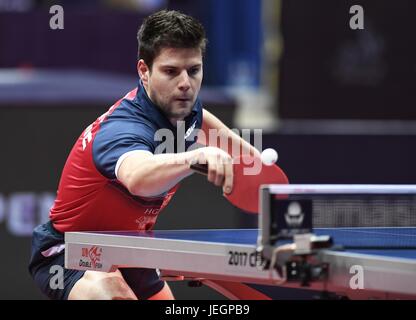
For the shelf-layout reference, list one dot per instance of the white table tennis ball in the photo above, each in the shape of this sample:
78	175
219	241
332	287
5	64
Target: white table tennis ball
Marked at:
269	157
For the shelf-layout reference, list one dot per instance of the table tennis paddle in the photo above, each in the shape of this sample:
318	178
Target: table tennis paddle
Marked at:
245	193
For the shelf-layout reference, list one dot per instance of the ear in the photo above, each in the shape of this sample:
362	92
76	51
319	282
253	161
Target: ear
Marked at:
143	71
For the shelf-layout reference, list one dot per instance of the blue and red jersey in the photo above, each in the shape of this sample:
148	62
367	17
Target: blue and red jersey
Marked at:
90	197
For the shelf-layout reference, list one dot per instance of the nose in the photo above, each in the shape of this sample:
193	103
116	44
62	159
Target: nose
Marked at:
184	83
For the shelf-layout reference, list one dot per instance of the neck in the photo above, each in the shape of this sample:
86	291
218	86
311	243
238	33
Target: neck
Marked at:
172	120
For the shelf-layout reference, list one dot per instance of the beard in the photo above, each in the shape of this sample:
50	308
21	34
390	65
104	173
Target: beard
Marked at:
176	109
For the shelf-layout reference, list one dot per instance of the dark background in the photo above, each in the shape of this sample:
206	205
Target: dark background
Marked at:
329	71
346	104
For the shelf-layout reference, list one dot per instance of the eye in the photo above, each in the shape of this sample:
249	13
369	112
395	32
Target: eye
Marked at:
169	72
194	71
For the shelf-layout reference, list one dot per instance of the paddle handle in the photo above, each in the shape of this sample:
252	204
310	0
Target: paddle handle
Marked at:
200	168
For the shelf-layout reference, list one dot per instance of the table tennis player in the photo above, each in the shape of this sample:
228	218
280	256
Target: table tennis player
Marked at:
115	178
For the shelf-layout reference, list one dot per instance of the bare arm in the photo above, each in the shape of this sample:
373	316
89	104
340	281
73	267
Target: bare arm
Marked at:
148	175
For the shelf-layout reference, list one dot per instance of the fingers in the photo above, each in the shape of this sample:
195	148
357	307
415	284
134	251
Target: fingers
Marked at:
228	178
220	167
219	174
216	170
212	170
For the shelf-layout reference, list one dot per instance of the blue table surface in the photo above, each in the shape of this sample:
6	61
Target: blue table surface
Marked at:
387	242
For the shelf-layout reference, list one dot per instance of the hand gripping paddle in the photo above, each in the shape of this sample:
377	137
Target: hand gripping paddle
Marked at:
249	174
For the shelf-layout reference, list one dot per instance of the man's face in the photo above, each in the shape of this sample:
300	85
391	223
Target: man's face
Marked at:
174	81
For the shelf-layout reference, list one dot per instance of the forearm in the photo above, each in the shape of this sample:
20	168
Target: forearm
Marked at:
157	174
216	134
235	141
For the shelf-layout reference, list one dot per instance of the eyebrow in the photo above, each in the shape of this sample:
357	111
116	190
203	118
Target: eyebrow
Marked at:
176	67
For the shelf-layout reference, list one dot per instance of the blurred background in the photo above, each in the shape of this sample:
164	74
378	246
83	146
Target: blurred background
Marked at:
338	104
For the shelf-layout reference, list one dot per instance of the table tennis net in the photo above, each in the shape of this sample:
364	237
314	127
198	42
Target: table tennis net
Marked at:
373	221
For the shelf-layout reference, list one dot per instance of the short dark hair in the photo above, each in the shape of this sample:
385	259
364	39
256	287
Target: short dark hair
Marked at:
169	29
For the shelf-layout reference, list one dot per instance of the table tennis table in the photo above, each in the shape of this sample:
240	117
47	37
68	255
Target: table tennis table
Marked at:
227	261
